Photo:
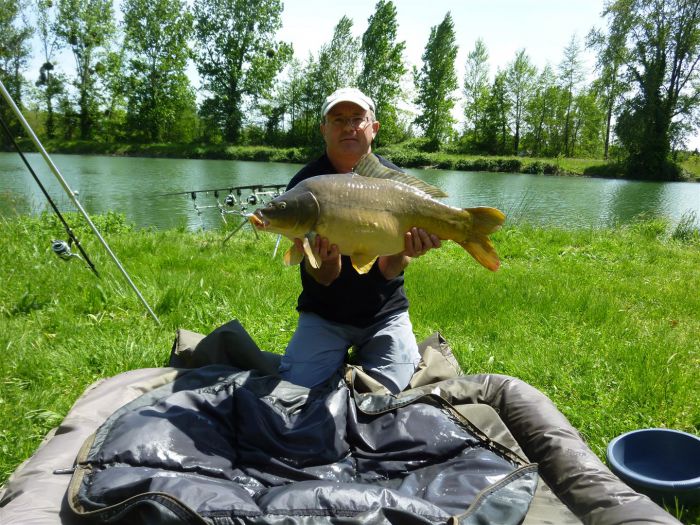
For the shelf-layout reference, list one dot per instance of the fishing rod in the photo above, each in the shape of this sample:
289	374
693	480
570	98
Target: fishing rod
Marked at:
71	194
238	189
60	248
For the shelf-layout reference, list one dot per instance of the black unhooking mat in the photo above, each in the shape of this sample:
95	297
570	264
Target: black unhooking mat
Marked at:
224	446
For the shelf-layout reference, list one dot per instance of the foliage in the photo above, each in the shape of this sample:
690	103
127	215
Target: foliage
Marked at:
50	82
496	122
520	82
383	68
588	118
159	94
86	27
297	96
236	56
570	77
611	55
476	92
436	82
338	60
14	54
662	65
541	114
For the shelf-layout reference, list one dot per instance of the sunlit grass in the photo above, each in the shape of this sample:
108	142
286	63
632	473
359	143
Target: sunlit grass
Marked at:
604	322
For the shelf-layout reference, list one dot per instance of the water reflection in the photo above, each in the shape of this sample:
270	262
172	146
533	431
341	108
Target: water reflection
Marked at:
134	186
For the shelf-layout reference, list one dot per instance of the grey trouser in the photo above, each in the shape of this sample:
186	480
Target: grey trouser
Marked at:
386	350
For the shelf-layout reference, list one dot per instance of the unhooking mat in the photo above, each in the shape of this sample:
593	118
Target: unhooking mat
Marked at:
223	445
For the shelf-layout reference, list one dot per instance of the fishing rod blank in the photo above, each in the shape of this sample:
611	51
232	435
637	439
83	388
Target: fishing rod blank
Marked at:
69	192
62	251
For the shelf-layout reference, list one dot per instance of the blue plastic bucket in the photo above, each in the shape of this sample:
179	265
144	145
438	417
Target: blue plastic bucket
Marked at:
661	463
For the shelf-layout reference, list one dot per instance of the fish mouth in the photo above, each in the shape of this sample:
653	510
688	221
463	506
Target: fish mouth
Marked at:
257	220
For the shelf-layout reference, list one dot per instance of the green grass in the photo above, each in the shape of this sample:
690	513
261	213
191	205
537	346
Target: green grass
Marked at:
691	165
605	322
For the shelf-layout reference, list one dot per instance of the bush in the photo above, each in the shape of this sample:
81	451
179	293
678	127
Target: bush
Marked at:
534	168
445	163
613	170
509	165
408	158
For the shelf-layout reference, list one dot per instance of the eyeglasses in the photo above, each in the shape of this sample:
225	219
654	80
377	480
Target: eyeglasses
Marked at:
355	122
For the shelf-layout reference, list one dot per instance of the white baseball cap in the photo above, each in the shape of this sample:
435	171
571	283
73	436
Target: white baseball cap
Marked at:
353	95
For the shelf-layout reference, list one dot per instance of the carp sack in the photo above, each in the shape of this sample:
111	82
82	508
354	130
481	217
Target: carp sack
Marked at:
367	212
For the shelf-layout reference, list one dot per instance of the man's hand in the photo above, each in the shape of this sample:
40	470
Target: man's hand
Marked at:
417	242
329	256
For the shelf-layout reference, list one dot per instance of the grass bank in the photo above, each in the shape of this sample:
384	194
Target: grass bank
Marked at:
404	155
603	321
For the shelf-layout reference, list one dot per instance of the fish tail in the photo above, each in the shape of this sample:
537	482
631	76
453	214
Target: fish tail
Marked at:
484	222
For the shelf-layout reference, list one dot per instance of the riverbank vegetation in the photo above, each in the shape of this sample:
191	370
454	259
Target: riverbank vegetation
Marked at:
604	321
129	89
407	155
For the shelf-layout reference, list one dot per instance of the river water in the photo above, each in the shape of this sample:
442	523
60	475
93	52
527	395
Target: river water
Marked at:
135	187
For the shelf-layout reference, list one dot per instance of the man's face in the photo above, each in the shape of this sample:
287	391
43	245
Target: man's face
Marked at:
342	137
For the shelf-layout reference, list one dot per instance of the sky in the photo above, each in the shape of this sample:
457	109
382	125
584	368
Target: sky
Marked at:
542	27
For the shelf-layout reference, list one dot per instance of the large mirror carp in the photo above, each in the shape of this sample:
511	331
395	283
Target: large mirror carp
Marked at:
367	212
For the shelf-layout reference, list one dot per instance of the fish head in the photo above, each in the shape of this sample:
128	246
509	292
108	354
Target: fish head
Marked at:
293	214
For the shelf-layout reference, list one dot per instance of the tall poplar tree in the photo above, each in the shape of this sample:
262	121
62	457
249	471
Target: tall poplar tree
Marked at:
338	60
436	83
520	83
570	77
383	67
86	26
237	56
496	127
156	33
611	56
49	82
540	113
476	90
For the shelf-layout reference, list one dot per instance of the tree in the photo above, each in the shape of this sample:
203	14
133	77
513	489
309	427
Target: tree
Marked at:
338	60
588	128
49	81
236	56
383	67
156	36
289	97
662	64
570	77
520	82
476	90
86	26
14	54
496	129
611	55
540	115
116	85
436	83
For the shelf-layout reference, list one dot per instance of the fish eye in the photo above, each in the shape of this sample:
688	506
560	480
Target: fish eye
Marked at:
282	205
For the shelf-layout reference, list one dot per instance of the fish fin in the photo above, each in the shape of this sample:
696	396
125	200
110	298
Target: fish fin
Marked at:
362	263
313	260
369	166
293	256
484	222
